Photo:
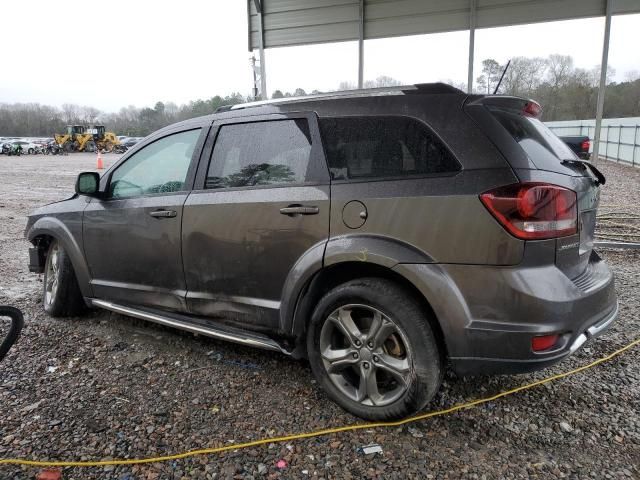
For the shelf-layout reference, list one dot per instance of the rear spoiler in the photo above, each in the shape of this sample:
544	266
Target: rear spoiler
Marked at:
528	107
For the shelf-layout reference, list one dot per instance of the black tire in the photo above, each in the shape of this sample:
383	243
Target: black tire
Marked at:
31	151
90	146
61	294
423	357
14	330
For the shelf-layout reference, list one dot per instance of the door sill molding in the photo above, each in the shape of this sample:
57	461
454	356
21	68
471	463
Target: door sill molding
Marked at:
221	332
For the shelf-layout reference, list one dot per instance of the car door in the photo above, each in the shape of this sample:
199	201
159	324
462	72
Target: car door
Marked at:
132	234
261	202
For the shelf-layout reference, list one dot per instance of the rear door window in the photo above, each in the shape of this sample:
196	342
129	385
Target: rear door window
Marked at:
274	152
383	147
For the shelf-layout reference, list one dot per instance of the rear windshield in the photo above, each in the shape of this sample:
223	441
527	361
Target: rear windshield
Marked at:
540	144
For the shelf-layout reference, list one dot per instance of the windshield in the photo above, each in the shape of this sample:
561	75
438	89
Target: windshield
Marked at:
540	144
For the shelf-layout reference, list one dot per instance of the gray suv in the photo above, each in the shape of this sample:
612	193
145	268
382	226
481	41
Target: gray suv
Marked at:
381	234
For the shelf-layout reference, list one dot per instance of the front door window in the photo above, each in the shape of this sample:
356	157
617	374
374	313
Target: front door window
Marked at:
160	167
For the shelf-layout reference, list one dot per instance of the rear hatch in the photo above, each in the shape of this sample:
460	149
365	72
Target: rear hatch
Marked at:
541	149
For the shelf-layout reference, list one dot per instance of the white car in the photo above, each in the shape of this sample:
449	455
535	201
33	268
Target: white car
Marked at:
27	147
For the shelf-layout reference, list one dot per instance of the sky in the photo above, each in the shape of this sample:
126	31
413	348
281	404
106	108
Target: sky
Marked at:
110	55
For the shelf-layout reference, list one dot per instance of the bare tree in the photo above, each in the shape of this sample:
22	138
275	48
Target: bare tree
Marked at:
382	81
70	113
88	115
491	71
523	76
346	86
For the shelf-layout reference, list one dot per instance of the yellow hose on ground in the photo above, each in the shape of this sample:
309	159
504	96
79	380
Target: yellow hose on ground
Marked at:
317	433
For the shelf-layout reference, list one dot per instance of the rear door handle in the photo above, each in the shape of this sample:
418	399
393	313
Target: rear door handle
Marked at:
293	210
163	213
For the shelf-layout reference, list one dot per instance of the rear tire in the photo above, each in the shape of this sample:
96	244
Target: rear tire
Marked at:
61	295
371	347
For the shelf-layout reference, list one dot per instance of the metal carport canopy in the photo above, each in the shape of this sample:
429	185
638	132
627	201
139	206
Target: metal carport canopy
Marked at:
303	22
280	23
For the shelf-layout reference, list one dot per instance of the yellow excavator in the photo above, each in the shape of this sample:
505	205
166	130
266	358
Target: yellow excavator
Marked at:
79	138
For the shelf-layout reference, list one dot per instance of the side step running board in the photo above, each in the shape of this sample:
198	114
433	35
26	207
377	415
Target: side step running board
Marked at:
216	331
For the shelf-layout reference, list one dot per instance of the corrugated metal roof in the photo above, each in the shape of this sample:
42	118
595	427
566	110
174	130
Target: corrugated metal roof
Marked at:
302	22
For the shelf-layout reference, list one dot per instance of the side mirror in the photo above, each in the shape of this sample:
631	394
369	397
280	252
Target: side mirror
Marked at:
88	183
11	321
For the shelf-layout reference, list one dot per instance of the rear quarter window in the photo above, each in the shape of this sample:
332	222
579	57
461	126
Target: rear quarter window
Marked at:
383	147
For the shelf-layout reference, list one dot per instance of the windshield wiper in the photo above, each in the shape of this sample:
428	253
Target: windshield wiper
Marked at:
600	178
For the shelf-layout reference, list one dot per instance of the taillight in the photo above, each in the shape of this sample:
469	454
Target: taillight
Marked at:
534	211
584	146
532	109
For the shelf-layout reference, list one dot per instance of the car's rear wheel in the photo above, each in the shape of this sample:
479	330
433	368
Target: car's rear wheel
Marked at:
372	348
62	295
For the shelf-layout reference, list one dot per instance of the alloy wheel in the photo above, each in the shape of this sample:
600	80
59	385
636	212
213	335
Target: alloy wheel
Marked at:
51	279
366	355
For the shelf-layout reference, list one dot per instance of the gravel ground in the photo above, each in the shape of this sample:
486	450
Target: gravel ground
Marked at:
619	213
106	386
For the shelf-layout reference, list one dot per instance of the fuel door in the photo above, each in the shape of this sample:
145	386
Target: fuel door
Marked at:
354	214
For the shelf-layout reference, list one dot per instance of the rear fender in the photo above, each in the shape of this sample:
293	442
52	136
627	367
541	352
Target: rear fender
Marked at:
366	249
378	249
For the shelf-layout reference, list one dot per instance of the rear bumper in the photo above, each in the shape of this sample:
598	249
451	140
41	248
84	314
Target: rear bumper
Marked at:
477	366
584	155
489	315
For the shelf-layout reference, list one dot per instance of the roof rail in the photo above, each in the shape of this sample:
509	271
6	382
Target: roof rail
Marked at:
429	88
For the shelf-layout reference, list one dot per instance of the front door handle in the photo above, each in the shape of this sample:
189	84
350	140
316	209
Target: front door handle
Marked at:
293	210
163	213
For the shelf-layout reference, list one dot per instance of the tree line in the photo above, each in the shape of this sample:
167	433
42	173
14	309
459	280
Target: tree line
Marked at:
36	120
565	92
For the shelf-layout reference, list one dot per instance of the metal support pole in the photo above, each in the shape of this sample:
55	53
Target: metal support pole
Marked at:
635	141
603	81
361	45
619	138
263	68
255	80
472	41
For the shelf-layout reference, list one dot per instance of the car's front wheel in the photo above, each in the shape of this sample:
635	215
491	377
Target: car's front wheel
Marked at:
62	295
372	348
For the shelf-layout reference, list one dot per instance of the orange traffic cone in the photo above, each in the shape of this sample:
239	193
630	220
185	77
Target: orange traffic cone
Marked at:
100	164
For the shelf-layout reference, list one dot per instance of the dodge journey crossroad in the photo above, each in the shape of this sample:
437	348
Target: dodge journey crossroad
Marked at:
381	234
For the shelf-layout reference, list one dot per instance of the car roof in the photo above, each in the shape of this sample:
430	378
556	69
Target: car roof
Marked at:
320	100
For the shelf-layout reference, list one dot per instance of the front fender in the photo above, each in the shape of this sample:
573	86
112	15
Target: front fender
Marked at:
70	237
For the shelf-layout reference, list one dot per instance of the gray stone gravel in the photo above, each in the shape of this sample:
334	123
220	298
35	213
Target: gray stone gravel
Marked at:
107	386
